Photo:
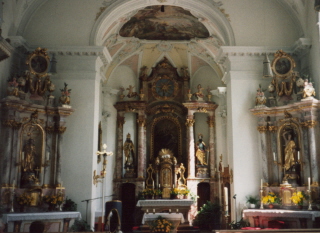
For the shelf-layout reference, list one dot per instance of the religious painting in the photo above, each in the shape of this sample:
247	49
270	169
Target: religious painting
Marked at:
164	23
282	64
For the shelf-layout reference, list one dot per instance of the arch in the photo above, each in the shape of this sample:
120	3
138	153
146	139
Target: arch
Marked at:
204	10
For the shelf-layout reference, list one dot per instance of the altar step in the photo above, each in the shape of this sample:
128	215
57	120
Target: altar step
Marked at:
183	228
309	230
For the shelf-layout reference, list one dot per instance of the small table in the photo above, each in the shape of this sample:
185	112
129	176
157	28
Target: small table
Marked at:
55	221
297	219
175	218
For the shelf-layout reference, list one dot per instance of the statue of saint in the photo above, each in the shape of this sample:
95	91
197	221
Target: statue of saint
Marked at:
128	148
201	151
29	155
289	150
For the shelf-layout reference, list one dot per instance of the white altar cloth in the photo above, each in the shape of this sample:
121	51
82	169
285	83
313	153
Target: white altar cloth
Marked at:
39	216
165	202
282	213
168	216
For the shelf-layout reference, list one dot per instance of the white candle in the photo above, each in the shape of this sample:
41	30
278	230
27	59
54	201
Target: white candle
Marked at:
261	184
159	186
152	184
298	155
274	156
309	182
48	155
169	210
226	197
172	186
177	210
147	210
154	210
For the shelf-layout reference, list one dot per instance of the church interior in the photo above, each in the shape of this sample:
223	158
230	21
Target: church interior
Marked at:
136	109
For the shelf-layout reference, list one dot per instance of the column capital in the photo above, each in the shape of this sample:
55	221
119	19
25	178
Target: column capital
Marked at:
120	121
262	129
309	124
190	122
211	121
141	122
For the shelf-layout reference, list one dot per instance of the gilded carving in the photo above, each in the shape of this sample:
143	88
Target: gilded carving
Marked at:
262	129
211	122
141	122
272	128
120	122
309	124
190	122
202	109
12	124
61	129
49	129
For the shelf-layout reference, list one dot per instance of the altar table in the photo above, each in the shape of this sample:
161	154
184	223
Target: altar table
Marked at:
54	221
175	218
161	205
293	218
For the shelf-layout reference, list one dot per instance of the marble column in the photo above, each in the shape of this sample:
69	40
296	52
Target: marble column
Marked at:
212	156
313	152
141	147
264	152
275	167
119	165
191	153
305	157
61	130
5	160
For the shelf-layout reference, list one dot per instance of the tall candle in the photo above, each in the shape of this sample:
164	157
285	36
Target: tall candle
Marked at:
48	154
274	156
309	181
261	184
226	197
298	155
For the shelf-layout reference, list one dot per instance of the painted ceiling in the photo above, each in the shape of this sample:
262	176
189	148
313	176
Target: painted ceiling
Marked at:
164	23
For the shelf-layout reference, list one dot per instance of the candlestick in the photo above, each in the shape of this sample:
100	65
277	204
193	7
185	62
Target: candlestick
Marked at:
177	210
169	211
226	197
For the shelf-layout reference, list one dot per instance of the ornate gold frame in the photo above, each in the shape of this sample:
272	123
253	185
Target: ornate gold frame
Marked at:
285	59
39	62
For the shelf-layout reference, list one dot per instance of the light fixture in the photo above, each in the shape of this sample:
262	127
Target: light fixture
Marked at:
267	72
317	5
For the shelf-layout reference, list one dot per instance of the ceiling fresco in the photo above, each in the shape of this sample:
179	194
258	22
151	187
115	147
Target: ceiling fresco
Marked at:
164	23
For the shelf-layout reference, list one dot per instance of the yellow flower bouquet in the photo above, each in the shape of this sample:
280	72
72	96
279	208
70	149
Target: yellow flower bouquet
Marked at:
160	225
53	199
298	197
271	198
24	199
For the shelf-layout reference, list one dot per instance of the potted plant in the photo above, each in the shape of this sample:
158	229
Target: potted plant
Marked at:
271	199
208	218
158	194
252	201
184	193
174	193
161	225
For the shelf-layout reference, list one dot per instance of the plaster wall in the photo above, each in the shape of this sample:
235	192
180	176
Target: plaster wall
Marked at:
260	23
79	160
243	145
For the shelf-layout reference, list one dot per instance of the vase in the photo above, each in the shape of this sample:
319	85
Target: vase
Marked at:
271	206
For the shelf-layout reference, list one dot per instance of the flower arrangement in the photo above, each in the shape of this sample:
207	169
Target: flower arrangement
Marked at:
184	192
271	198
298	197
160	225
53	199
174	191
25	199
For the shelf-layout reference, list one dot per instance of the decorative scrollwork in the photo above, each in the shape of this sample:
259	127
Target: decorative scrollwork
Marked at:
272	128
190	122
309	124
262	129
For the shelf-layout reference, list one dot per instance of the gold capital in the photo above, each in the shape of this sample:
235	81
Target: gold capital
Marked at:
190	122
61	129
262	129
272	128
309	124
141	122
120	121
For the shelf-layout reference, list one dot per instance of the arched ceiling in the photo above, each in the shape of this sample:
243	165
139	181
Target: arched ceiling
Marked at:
114	15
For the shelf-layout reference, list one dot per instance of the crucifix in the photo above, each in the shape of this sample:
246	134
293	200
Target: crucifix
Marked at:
100	178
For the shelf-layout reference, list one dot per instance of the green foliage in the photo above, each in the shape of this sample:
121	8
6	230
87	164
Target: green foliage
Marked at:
239	225
69	205
80	226
208	218
252	200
